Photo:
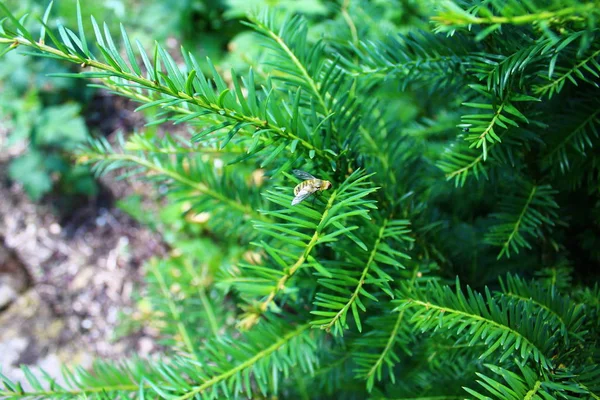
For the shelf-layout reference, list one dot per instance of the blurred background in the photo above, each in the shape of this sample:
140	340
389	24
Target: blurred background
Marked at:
72	247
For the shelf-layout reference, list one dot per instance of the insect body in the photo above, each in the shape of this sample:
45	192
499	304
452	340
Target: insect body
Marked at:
309	186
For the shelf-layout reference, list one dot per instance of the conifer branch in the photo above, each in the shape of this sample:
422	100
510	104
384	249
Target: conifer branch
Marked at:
519	220
372	368
300	261
441	310
87	157
308	72
525	383
361	280
312	84
174	87
168	145
284	340
556	85
569	316
489	129
300	237
457	165
208	309
348	283
339	361
481	318
383	156
388	346
175	314
522	215
349	21
66	394
403	68
577	136
467	167
537	303
415	57
456	17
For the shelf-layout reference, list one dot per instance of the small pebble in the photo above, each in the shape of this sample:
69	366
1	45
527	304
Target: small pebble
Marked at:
86	324
54	228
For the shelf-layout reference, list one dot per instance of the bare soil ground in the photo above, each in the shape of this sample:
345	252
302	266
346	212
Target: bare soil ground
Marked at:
71	276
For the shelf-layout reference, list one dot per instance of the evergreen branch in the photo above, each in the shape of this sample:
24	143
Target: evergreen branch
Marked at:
441	397
461	173
579	137
56	392
302	69
232	364
214	381
556	85
441	310
424	376
438	306
457	162
588	391
117	380
452	16
557	277
488	129
181	115
521	19
349	22
334	365
361	281
339	361
519	220
300	261
388	346
299	235
321	89
569	315
482	125
512	73
522	215
386	355
301	384
169	145
84	157
583	377
384	157
348	283
416	57
526	384
175	314
403	68
208	309
181	309
238	110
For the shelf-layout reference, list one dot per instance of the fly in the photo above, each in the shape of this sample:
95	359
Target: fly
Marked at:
309	186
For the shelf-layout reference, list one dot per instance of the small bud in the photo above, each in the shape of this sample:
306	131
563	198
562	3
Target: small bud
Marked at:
252	257
200	218
258	177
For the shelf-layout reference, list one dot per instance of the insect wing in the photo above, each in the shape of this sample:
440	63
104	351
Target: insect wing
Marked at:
302	195
302	175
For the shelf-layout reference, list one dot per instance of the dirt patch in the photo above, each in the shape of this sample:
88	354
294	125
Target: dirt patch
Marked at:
80	270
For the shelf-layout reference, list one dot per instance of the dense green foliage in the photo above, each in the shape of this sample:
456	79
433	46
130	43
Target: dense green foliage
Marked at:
451	258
